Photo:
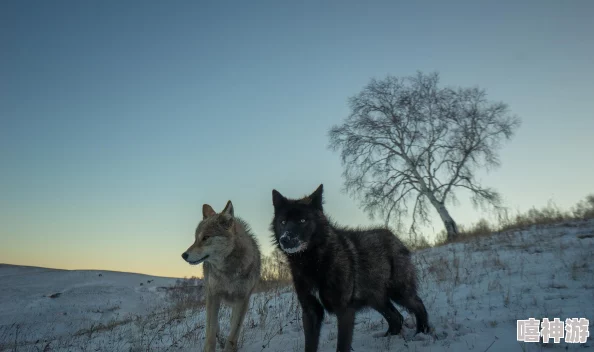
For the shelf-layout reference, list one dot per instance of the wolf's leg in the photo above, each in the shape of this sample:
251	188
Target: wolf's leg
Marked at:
213	303
237	317
313	314
392	316
346	324
415	305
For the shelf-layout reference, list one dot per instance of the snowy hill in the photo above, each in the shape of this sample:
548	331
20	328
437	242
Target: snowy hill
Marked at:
47	303
474	292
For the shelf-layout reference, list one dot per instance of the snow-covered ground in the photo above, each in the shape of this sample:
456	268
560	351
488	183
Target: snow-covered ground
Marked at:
48	303
474	293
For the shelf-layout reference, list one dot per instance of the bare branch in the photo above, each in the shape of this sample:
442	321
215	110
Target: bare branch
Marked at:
407	138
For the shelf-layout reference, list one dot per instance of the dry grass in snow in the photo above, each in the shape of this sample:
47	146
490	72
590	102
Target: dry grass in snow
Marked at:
474	290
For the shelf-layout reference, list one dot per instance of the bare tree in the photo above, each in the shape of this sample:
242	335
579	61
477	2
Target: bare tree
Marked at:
408	142
275	267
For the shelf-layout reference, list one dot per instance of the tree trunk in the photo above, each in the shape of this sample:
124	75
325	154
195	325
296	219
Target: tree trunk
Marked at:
448	221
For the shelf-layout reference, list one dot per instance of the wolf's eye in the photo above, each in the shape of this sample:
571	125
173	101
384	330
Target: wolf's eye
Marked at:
302	221
283	222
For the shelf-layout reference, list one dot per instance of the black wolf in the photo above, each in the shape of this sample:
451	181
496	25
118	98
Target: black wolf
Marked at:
342	270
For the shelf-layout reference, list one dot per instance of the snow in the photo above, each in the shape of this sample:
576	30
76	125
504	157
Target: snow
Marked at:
474	292
84	297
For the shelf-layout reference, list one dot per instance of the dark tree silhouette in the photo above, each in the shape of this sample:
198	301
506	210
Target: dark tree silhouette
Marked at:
408	142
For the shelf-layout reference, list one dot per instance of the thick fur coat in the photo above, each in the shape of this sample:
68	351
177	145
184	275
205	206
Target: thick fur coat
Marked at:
231	257
341	270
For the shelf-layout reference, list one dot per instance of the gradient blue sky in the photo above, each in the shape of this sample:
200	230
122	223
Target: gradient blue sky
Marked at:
119	119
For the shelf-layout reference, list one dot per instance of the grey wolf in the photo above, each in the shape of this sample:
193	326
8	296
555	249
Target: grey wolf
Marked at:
341	270
231	257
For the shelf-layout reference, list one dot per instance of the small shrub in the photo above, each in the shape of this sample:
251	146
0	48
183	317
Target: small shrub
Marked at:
186	293
584	210
548	215
275	273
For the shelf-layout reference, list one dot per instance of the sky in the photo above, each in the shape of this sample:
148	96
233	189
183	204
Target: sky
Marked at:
119	119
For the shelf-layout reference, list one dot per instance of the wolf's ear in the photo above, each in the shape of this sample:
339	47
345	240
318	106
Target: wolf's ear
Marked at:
207	211
229	209
277	199
317	198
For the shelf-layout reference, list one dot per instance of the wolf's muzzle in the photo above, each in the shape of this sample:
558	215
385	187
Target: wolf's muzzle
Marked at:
291	243
185	257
